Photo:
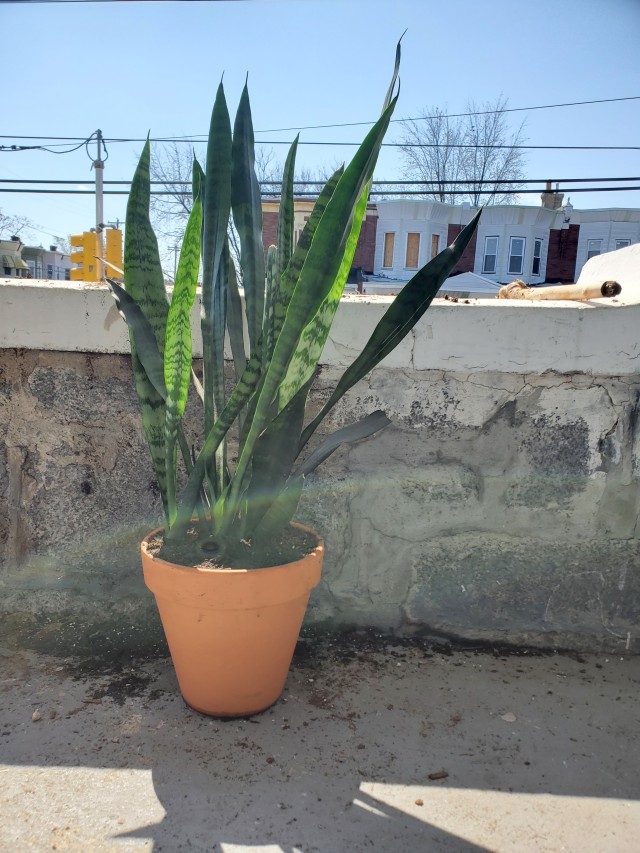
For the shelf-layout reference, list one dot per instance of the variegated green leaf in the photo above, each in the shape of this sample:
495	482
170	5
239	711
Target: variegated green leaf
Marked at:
317	277
247	216
272	297
239	397
286	214
314	336
217	209
401	316
144	281
178	351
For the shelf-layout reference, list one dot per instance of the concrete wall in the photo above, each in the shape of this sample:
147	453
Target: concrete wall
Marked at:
501	505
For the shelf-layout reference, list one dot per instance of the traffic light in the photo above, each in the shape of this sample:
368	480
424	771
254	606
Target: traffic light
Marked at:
87	258
113	253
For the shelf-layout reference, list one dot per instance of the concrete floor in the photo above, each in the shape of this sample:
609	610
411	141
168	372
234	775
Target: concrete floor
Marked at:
372	749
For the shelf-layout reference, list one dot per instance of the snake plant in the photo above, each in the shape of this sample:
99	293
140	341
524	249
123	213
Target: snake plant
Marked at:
290	300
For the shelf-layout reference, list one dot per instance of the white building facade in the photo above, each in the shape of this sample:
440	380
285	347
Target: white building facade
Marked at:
534	244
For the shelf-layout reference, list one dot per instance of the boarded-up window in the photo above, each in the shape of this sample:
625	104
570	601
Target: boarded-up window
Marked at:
435	245
389	240
413	249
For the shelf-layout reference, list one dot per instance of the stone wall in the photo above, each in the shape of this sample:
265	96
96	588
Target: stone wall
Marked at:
500	506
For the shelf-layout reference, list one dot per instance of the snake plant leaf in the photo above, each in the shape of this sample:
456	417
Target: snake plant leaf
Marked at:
178	354
279	514
142	335
282	508
317	277
272	297
401	316
394	77
314	336
148	352
286	211
363	428
144	281
292	272
197	180
246	204
243	392
235	325
273	459
217	209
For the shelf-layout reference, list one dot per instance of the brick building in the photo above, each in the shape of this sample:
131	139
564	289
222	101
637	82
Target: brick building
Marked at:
365	250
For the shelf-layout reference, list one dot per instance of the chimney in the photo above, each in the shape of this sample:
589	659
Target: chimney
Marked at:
550	199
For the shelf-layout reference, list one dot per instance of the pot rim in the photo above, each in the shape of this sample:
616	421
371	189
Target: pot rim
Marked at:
316	551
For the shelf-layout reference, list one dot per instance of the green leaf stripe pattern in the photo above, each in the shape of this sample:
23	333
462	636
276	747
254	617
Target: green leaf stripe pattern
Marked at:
247	216
144	281
239	397
401	316
316	279
178	352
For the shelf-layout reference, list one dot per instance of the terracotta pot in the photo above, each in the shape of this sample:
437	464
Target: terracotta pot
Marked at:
232	632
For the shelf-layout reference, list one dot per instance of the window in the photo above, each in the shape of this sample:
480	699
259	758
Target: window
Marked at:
516	255
490	254
50	271
594	247
621	244
389	240
435	245
67	275
413	250
537	252
7	270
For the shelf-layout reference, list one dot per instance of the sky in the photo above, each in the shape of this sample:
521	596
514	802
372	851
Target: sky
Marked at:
130	68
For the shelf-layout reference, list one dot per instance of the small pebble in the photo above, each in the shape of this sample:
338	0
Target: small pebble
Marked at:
36	716
419	802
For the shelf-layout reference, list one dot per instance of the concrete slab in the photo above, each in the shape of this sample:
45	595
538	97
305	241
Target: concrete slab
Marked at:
373	746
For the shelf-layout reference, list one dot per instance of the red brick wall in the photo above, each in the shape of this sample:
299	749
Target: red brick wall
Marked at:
562	253
269	229
468	258
366	248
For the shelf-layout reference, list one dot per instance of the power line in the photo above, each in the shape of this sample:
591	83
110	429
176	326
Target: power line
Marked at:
459	115
458	182
315	194
337	144
199	137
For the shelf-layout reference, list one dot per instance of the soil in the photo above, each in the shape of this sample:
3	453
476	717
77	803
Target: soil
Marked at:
199	550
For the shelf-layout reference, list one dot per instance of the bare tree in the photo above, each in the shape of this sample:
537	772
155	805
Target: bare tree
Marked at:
461	152
171	168
11	225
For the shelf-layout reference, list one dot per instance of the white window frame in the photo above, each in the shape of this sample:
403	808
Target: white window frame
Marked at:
493	255
622	243
518	255
591	253
537	244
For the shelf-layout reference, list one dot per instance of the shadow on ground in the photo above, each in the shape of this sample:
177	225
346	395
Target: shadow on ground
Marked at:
373	746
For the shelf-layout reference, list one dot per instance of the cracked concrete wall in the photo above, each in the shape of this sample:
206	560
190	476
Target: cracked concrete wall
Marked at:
497	507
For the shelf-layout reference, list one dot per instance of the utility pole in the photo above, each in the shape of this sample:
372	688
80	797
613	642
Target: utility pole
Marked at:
98	165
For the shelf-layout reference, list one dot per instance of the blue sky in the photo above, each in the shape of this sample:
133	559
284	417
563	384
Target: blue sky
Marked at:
127	68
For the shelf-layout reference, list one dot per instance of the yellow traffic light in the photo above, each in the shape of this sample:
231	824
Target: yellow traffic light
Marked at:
87	258
113	253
